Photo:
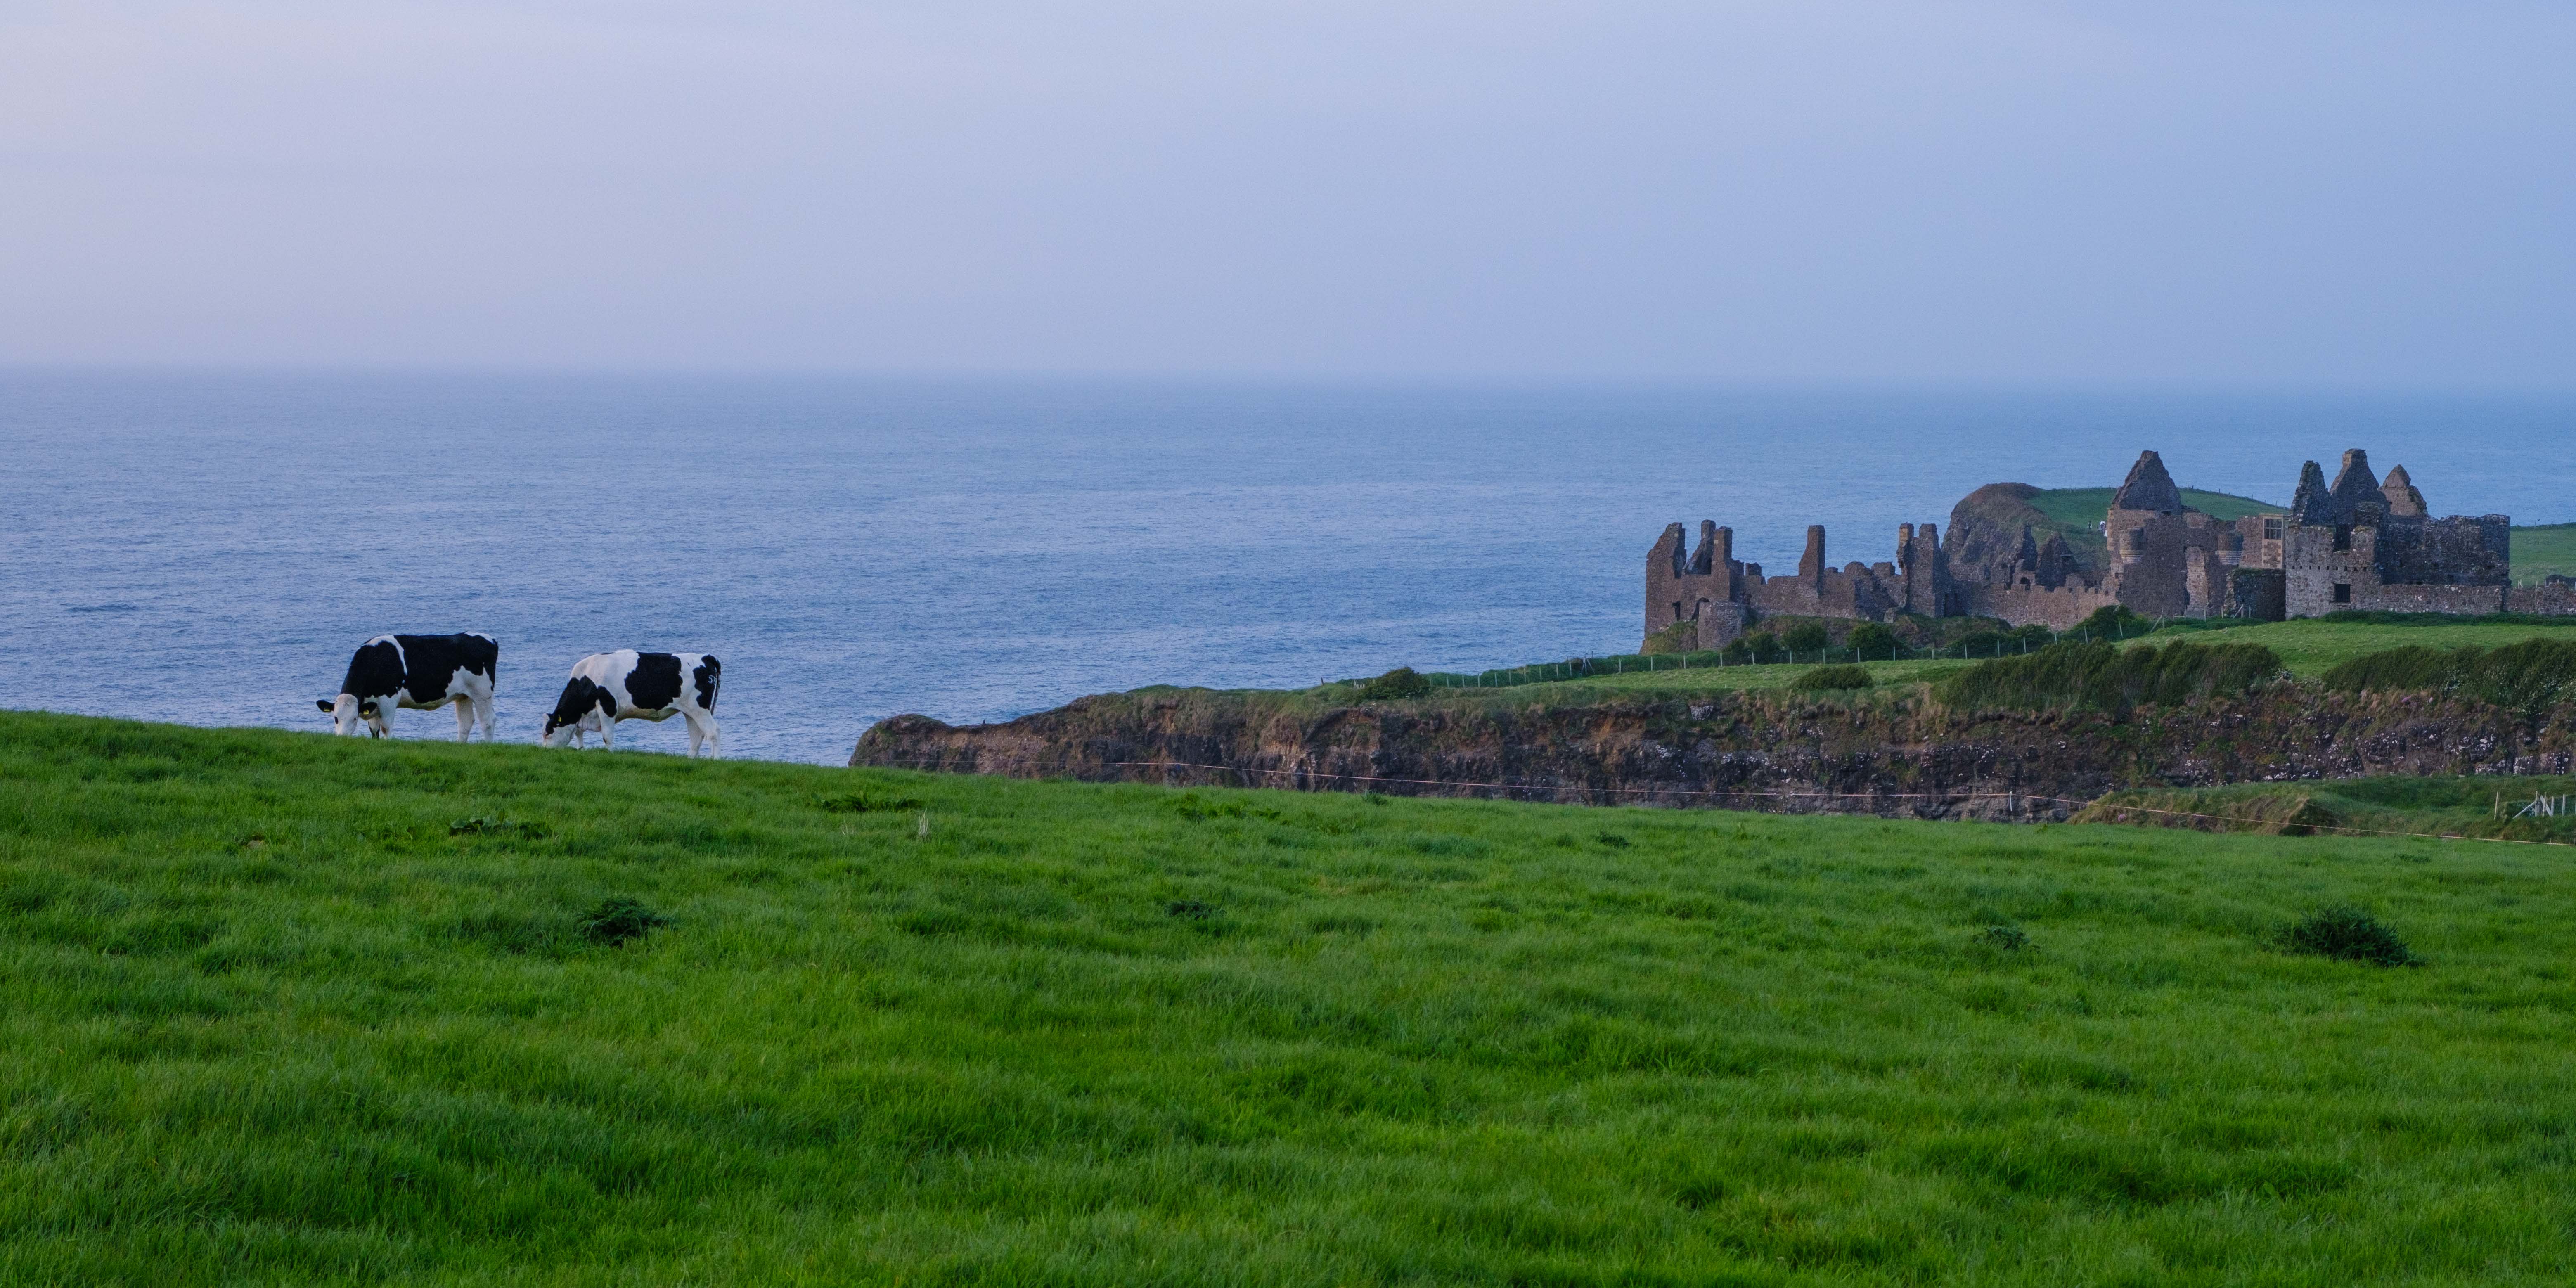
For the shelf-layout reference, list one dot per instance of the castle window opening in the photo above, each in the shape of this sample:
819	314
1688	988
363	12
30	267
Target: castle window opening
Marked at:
2271	529
2343	536
2343	592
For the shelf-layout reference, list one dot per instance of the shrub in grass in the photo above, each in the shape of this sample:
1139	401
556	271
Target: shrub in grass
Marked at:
1806	637
1871	640
2350	934
618	919
1831	677
2005	939
1680	637
2116	622
862	803
2106	677
1760	646
1402	682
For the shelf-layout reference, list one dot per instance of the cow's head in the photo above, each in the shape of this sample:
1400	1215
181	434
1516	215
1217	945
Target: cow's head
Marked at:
350	713
576	710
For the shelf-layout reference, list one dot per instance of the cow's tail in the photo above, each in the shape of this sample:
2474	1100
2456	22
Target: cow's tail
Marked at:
710	677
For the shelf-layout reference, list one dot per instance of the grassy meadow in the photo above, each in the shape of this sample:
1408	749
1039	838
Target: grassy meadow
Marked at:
285	1009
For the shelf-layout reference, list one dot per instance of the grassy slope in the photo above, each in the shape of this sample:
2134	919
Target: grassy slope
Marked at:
2540	551
2309	647
2083	507
1434	1041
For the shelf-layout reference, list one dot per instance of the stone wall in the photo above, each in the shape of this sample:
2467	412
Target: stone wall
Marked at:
2457	551
2256	594
1726	596
2555	595
2059	609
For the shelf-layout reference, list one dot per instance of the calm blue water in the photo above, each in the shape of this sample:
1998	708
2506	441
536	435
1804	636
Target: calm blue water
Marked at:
208	549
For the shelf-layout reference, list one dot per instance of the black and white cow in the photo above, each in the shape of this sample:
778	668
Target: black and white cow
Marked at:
626	685
422	672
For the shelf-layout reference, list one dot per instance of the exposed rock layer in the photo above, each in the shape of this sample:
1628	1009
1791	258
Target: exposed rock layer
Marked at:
1884	755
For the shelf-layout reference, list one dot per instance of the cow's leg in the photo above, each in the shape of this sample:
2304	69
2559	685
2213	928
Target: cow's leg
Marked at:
464	717
483	709
606	724
715	745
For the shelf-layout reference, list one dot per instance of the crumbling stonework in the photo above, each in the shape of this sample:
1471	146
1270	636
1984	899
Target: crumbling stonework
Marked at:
2359	543
2355	545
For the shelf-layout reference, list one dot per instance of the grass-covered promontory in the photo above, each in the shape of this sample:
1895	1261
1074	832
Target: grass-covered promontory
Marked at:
284	1009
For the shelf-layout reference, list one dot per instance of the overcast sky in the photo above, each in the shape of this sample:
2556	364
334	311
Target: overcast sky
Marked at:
2336	193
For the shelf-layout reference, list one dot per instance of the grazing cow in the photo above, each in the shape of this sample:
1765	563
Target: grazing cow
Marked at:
421	672
626	685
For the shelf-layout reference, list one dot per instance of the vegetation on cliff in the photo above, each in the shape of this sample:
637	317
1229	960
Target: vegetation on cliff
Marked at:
2530	677
290	1009
2307	648
2107	677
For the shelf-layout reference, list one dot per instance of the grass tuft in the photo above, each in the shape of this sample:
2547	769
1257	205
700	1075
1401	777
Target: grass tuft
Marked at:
862	803
2009	939
1828	678
2347	933
1402	682
619	919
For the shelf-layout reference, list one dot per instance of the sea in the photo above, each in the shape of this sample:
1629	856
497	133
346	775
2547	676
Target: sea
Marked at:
208	548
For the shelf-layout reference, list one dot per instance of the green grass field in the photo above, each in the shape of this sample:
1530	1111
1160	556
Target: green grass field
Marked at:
2540	551
284	1009
2309	648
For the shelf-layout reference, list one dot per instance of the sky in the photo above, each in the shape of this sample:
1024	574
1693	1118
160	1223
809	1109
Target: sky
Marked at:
2327	194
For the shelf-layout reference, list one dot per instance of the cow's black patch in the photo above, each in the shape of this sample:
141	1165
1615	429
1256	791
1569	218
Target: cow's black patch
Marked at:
435	660
654	684
709	674
375	671
579	696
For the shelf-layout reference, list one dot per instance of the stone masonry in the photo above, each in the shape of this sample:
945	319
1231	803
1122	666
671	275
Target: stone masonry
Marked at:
2359	543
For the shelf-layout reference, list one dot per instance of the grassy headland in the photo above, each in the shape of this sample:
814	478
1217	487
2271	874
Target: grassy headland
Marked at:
2308	647
290	1009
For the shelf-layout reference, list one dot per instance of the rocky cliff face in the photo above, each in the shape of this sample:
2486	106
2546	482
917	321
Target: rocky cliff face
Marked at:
1888	754
1985	531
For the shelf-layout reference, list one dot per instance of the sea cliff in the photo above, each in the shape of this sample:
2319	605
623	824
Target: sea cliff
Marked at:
1885	753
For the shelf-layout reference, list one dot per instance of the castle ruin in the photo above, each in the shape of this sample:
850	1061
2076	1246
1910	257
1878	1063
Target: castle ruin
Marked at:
2361	542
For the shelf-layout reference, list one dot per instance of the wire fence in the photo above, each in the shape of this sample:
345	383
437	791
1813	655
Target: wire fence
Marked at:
1981	646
